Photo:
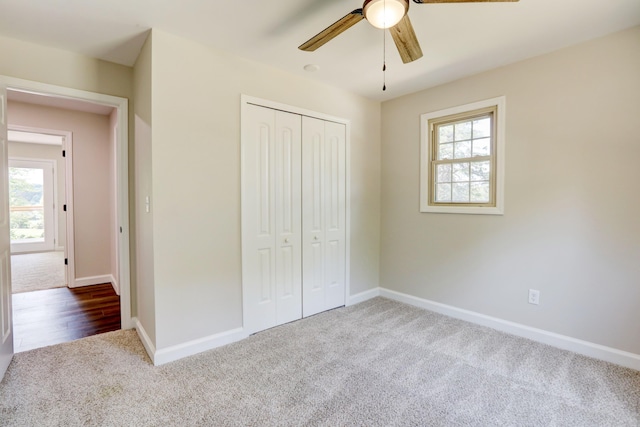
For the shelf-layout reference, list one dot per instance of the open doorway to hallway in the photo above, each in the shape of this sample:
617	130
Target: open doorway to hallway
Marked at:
64	247
37	219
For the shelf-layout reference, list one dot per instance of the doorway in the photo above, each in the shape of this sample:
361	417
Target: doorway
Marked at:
45	314
120	119
41	220
37	251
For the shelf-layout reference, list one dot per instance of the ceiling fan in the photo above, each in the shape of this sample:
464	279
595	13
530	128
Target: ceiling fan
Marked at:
391	14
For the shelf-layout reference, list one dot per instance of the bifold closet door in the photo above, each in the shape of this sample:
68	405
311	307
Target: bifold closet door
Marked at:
271	218
323	215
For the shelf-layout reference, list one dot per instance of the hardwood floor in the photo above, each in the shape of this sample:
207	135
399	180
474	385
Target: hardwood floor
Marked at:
54	316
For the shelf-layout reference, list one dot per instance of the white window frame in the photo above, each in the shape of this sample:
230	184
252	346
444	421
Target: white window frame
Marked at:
426	142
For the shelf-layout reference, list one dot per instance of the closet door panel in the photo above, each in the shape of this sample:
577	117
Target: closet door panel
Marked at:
258	220
313	216
335	216
288	243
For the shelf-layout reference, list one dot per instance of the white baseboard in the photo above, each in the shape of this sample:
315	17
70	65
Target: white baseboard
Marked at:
189	348
115	285
146	341
363	296
92	280
586	348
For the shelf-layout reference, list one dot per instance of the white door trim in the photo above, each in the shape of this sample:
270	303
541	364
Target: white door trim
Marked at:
246	100
122	162
114	231
6	323
69	247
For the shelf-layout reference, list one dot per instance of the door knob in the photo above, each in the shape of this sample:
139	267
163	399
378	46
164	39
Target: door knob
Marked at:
286	240
315	237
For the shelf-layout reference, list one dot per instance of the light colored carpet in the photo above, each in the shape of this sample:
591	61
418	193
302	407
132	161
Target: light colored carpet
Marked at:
379	363
37	272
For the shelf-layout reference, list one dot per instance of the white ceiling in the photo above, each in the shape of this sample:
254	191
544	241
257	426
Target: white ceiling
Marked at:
457	39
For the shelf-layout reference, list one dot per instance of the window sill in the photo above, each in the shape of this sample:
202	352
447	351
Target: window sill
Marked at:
473	210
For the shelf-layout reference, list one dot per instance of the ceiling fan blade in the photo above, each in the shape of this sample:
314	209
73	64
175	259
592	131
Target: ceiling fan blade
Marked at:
406	40
332	31
461	1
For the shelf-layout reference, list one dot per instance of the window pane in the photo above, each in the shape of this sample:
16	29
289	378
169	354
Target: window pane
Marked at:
463	131
480	192
480	171
27	226
444	173
481	128
26	205
482	147
462	150
461	171
445	151
460	192
443	193
445	133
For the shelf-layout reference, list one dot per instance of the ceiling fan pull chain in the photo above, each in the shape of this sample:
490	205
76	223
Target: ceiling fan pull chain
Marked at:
384	54
384	77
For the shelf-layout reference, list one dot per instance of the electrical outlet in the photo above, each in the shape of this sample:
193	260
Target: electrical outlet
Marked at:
534	296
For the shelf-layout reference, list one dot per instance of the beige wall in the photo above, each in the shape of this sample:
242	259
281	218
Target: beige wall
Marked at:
92	175
30	61
145	306
196	181
570	227
51	152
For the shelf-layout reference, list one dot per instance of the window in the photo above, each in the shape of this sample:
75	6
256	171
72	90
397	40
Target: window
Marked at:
31	205
462	159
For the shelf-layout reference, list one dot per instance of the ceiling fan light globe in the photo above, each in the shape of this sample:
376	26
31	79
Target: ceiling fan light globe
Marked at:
385	13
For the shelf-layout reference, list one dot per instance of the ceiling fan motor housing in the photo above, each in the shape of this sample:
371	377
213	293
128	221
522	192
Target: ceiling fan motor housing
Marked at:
385	13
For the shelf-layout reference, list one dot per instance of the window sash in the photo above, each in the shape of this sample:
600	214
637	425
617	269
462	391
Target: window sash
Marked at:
434	143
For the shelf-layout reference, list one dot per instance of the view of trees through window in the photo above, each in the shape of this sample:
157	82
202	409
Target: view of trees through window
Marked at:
26	204
463	161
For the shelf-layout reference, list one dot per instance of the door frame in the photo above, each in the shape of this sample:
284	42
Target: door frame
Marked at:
245	101
67	146
122	165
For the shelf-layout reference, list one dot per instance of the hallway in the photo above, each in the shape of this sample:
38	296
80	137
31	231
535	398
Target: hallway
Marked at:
37	271
54	316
